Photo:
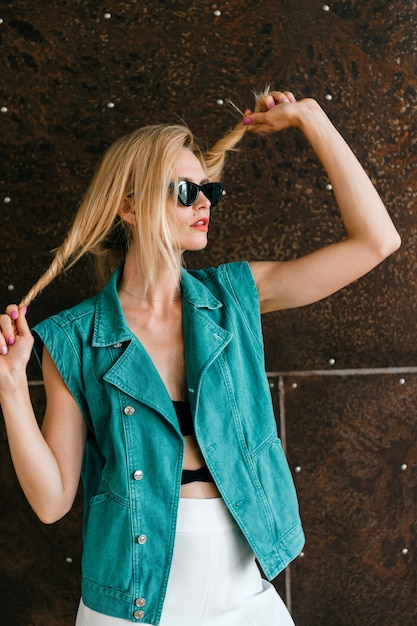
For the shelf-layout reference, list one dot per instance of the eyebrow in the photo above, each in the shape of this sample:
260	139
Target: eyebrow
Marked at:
202	182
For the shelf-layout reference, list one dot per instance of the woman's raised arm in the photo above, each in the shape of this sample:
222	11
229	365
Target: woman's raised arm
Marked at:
370	233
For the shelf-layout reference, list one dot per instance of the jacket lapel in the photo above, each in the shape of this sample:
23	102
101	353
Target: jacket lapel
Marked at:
204	338
131	369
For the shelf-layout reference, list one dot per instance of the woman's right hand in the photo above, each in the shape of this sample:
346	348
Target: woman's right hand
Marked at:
16	342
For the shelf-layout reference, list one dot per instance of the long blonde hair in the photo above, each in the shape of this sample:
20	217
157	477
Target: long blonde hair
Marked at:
138	167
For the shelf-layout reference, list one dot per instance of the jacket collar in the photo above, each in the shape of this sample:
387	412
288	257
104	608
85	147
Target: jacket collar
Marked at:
109	324
196	293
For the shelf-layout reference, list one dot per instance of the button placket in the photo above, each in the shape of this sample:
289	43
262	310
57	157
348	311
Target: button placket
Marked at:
137	475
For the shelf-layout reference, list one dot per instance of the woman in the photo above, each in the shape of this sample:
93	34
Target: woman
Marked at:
156	389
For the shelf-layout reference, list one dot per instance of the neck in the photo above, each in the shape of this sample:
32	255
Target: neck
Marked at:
166	288
150	298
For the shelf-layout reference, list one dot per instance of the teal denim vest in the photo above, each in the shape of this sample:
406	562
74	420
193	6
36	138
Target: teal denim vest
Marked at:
133	460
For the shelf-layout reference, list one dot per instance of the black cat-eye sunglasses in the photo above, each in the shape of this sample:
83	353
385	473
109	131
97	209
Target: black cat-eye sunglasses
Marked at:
188	192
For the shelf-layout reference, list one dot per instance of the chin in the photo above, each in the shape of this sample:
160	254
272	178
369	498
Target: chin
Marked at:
196	247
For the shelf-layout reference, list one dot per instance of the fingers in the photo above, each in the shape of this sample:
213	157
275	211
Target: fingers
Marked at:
280	97
12	323
7	337
264	103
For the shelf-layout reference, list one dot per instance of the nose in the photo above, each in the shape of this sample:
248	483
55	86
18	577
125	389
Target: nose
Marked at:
202	201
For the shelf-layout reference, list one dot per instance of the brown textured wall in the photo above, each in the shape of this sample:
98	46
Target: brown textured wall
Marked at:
342	371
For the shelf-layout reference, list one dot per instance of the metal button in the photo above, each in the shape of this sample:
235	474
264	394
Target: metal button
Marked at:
139	614
128	410
117	345
142	539
140	601
138	475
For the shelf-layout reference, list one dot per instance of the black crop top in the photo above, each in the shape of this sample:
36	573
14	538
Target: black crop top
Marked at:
185	421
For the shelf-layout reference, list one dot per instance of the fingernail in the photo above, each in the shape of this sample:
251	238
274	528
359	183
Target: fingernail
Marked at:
14	315
25	310
272	104
285	99
247	121
11	341
4	350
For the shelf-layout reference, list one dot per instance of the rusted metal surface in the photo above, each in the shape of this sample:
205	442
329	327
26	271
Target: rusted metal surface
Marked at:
77	75
352	448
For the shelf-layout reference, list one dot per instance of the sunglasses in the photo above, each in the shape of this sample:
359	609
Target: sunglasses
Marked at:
188	192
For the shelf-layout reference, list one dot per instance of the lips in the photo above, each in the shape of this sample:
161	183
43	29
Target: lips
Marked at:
201	224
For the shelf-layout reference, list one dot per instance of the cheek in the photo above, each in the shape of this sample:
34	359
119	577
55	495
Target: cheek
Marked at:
172	219
178	217
176	222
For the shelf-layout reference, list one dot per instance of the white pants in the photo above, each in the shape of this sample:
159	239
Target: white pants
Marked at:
214	580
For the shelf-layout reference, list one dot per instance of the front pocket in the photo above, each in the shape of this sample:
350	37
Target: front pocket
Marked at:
108	547
275	477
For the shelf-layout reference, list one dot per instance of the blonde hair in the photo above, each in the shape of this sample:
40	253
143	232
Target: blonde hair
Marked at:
138	169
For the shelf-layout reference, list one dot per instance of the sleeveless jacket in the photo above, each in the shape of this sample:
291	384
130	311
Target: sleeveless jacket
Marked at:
134	453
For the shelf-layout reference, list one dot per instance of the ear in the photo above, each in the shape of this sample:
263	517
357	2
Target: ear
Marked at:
126	211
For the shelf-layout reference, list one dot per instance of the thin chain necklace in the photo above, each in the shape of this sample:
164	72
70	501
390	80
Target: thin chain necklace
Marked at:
144	298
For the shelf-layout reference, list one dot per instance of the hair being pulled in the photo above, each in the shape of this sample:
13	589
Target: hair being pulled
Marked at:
137	169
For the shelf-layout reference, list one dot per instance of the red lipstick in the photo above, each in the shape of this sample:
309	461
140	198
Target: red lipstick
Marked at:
201	224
